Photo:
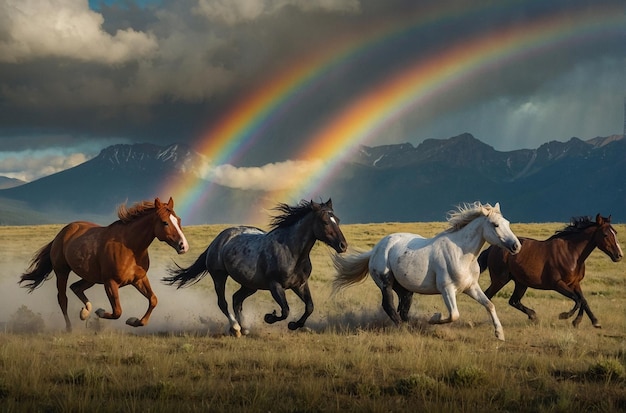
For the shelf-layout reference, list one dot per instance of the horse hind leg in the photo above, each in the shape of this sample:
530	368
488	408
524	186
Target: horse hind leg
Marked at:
516	301
385	281
388	304
79	288
406	299
62	276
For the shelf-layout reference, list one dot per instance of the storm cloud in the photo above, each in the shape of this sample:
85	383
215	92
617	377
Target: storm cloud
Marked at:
77	75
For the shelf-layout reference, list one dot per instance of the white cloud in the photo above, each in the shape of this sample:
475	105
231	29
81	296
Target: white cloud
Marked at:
236	11
269	177
34	165
32	29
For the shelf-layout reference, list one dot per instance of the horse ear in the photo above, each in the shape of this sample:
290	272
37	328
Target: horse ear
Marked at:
157	203
170	203
599	219
314	205
497	207
329	203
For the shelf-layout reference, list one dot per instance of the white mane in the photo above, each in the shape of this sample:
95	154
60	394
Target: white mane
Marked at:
466	213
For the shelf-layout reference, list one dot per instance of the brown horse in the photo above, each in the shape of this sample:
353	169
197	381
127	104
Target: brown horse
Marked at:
116	255
557	263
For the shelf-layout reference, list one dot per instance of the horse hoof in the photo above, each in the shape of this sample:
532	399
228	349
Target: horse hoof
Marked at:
235	333
293	325
435	319
500	335
270	318
597	325
245	331
85	311
100	312
134	322
563	316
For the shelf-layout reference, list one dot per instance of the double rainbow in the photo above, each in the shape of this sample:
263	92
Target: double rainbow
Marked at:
363	118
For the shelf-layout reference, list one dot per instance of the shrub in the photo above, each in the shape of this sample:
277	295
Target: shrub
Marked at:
24	320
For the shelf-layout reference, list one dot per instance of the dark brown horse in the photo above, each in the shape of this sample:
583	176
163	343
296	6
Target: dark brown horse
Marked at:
557	263
116	255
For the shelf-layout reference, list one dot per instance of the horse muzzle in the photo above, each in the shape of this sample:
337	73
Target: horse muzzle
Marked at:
515	247
341	247
182	247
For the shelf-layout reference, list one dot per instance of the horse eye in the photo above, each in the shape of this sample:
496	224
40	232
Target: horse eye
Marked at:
165	223
496	225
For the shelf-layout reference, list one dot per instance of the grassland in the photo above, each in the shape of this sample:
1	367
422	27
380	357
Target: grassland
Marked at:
350	358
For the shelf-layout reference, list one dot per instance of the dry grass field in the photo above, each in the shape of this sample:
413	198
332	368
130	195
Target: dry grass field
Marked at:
350	358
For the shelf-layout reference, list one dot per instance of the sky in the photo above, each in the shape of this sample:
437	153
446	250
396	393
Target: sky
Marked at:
257	85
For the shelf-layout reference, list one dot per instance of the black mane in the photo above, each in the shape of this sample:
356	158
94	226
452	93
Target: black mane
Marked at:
576	225
290	214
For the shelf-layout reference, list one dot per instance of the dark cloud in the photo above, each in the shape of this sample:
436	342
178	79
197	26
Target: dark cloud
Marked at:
165	71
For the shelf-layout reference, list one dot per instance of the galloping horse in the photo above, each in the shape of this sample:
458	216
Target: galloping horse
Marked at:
274	261
445	264
557	263
116	255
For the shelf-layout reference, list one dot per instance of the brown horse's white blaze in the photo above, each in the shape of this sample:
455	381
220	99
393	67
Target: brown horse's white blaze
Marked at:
183	245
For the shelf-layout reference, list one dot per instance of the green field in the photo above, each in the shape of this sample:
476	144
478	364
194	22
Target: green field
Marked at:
350	358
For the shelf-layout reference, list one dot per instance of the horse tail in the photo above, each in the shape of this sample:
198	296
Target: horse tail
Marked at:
351	269
39	269
483	259
192	274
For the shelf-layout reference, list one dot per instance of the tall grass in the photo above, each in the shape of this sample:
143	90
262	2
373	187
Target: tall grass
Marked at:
351	357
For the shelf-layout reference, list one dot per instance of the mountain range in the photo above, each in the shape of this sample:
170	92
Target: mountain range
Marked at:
401	182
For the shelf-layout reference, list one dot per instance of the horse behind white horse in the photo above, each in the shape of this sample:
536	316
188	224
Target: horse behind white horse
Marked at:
445	264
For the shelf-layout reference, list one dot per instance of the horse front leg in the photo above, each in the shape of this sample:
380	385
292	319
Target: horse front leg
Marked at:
112	291
219	281
278	293
477	294
584	306
449	298
238	297
579	304
143	286
305	295
79	288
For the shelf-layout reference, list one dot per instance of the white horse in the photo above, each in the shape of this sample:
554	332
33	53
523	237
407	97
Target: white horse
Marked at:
445	264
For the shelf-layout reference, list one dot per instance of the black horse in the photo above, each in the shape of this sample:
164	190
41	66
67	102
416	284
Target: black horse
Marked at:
274	261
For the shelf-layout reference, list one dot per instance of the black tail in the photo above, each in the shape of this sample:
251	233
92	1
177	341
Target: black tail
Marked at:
193	273
39	270
483	259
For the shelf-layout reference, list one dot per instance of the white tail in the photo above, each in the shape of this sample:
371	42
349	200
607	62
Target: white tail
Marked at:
351	268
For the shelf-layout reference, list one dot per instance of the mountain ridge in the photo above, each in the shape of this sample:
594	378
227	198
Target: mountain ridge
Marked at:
550	183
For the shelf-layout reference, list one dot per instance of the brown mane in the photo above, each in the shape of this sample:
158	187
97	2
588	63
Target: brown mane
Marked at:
139	209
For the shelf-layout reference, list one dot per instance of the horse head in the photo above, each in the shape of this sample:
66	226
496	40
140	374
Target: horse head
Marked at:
167	227
326	226
606	238
497	230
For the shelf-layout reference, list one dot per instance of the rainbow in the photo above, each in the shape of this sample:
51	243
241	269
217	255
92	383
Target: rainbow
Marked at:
360	120
371	112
